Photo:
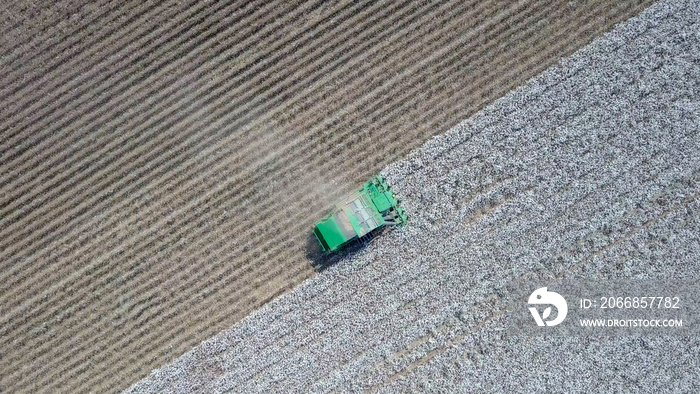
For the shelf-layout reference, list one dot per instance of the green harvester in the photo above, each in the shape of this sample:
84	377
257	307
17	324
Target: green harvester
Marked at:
372	207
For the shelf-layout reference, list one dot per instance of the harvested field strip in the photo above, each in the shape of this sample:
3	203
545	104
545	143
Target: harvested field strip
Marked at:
136	49
199	125
68	63
142	86
38	44
129	94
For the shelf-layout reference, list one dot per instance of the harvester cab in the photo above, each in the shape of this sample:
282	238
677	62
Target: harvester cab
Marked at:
370	208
